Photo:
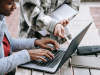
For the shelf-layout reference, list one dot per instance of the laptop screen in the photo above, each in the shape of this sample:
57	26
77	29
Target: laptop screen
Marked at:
73	46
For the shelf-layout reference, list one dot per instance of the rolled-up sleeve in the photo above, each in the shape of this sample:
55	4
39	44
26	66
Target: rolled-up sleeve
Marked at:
47	22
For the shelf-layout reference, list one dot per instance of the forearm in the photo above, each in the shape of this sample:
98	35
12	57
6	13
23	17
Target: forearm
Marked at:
18	44
46	21
7	64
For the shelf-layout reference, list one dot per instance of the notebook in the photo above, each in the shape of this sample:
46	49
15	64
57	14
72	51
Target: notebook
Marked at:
63	12
61	56
86	62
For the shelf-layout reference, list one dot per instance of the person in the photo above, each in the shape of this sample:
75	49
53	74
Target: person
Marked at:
25	48
34	17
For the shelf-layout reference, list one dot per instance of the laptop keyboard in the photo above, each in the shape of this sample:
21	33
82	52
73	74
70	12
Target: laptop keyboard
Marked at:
52	62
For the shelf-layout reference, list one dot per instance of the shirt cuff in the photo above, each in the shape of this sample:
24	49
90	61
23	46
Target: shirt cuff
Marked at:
51	26
27	54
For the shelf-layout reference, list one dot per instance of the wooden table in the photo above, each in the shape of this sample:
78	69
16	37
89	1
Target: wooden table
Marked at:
66	69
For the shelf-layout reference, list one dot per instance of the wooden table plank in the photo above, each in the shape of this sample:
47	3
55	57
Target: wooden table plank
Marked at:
66	69
92	70
83	71
37	73
21	71
95	71
80	71
57	73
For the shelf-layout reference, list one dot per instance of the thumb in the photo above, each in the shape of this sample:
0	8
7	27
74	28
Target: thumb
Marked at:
62	32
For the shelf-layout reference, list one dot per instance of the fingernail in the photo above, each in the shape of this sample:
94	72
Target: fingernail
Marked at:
57	48
45	60
50	57
52	49
53	56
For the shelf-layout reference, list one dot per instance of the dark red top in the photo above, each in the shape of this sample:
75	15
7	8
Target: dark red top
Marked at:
6	46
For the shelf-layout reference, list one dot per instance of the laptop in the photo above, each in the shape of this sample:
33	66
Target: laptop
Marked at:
61	56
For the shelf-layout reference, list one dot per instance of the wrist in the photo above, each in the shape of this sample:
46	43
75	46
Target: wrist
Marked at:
36	41
29	52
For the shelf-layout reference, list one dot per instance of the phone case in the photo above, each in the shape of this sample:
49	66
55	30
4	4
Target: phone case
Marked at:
86	50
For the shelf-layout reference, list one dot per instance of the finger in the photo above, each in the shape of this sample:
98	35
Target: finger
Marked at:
46	47
61	35
50	54
64	22
55	44
44	54
55	32
67	21
61	32
40	54
39	57
61	22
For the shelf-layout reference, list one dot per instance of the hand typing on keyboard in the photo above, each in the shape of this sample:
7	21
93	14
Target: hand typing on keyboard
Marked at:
52	62
38	53
42	43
